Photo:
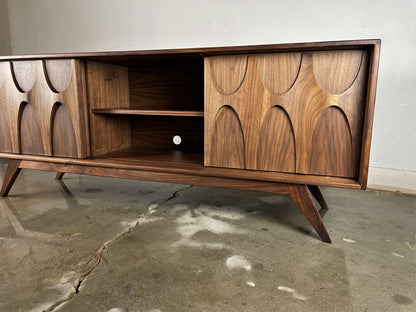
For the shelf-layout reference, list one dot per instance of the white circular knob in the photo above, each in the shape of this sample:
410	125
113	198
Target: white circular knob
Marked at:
177	140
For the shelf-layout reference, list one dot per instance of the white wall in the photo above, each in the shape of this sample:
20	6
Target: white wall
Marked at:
96	25
5	45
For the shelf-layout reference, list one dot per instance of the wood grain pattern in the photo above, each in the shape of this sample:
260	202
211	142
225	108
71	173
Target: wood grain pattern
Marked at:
11	102
228	72
5	136
30	132
59	74
28	101
24	74
64	143
163	162
278	71
249	116
276	147
335	72
108	87
304	102
228	140
331	147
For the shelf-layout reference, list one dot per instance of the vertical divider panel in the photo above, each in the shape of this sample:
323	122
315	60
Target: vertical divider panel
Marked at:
108	87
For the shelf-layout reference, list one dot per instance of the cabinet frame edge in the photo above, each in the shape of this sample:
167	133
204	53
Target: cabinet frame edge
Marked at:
369	115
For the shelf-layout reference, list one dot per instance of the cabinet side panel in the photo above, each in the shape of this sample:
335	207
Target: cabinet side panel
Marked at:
374	58
108	87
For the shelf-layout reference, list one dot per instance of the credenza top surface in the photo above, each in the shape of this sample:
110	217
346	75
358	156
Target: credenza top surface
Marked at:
127	57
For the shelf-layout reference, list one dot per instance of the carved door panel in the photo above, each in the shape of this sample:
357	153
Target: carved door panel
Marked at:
286	112
43	108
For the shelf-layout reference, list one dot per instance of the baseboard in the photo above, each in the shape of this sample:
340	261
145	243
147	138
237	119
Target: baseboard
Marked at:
394	180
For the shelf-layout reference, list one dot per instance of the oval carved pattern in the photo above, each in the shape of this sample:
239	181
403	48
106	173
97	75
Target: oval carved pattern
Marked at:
278	71
24	73
331	151
336	71
227	140
5	137
228	72
30	134
276	147
58	74
63	134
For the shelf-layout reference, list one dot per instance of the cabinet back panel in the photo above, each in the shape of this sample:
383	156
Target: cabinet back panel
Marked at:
155	133
299	112
176	85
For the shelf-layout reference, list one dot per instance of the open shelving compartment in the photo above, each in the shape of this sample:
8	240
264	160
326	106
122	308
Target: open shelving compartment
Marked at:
138	104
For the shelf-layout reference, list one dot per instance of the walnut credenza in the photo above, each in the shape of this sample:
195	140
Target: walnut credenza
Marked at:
276	118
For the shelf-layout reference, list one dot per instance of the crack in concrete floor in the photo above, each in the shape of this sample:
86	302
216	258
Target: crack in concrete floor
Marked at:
98	257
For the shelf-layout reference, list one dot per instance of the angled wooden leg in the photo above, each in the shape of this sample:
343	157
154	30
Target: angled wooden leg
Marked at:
316	192
303	199
59	175
10	176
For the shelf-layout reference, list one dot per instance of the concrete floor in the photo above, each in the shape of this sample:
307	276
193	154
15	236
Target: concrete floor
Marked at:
100	244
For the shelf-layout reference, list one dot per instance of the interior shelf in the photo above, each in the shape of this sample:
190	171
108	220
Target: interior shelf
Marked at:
155	158
148	112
